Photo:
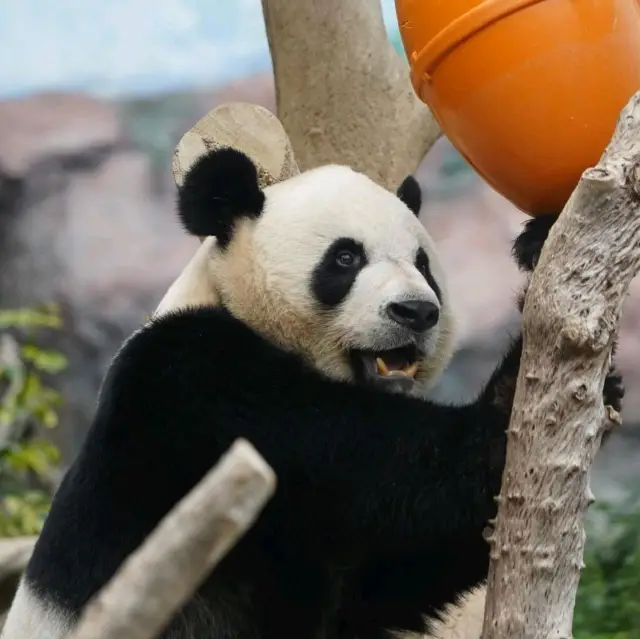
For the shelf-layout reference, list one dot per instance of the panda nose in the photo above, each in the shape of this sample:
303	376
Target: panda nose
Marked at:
418	315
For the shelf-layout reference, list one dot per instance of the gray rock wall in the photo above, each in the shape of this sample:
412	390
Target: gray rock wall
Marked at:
87	220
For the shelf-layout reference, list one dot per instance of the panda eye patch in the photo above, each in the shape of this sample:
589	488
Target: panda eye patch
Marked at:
423	266
337	270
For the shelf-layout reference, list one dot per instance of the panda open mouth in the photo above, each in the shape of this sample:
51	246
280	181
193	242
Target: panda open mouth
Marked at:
396	368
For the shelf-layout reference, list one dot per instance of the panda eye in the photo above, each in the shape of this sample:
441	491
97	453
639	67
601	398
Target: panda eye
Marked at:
347	259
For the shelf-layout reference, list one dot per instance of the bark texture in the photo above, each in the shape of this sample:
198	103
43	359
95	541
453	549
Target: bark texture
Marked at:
158	578
570	321
343	93
247	127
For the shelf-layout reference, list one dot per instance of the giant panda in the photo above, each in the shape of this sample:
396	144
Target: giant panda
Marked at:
329	320
196	285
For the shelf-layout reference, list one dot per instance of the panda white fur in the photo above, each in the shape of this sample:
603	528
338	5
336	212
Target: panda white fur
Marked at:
328	293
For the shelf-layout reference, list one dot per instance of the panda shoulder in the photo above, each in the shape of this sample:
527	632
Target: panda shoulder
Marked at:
189	328
180	329
187	346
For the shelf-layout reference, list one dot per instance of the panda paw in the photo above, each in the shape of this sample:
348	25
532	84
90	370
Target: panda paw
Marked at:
612	395
528	245
613	392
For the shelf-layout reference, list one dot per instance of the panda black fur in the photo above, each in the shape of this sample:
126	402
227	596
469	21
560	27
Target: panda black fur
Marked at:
382	498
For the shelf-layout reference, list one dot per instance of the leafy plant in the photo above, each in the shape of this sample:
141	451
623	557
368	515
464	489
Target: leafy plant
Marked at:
608	601
27	404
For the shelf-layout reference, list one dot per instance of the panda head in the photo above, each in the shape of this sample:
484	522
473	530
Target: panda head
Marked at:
328	265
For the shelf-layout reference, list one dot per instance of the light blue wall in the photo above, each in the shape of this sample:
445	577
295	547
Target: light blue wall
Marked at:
132	47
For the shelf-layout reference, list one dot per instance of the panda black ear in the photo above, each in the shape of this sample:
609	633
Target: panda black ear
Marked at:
219	189
409	192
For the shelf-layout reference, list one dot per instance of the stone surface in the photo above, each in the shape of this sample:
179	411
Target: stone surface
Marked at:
87	219
34	130
473	227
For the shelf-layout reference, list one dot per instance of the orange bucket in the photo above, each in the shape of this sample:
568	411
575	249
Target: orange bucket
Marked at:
528	91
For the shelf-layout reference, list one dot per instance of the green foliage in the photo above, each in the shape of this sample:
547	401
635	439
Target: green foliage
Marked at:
26	318
27	404
608	602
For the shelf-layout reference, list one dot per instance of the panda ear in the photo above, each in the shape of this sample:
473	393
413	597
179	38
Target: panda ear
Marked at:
409	192
218	190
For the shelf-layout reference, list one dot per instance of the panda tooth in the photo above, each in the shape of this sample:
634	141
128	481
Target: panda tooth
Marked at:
382	367
412	370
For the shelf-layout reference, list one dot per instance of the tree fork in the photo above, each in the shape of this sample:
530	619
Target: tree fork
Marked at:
569	324
343	93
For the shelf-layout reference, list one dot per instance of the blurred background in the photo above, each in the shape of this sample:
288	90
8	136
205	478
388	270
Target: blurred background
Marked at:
93	98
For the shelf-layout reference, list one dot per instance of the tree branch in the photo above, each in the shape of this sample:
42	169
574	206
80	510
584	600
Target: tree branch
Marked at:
570	321
10	360
343	93
157	579
15	553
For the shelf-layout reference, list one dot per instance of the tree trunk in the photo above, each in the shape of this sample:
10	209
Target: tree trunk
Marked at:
570	322
343	93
